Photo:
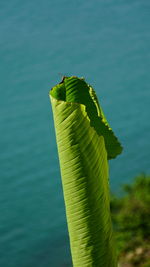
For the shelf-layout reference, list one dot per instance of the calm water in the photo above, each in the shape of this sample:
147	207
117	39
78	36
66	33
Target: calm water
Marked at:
108	43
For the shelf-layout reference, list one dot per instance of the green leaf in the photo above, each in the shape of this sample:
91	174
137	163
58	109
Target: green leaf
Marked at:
84	170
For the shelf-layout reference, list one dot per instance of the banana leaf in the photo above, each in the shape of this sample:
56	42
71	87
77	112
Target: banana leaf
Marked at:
85	143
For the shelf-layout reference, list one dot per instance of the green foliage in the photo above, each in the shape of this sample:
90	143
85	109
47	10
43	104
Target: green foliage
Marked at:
147	264
131	218
85	142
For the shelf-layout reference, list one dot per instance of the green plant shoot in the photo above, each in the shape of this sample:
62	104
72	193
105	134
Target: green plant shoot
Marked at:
85	143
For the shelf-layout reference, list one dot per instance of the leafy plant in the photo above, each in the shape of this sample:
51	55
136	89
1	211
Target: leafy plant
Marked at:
85	143
131	218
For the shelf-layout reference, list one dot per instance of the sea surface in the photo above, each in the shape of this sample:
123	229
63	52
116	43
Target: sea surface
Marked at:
108	43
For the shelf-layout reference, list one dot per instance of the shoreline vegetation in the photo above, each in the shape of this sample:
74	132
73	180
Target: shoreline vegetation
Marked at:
131	220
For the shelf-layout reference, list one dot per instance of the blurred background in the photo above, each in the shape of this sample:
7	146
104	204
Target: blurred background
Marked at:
108	43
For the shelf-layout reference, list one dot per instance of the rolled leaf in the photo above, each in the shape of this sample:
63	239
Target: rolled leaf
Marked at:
85	142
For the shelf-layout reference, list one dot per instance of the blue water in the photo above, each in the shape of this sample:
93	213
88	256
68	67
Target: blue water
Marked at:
107	42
